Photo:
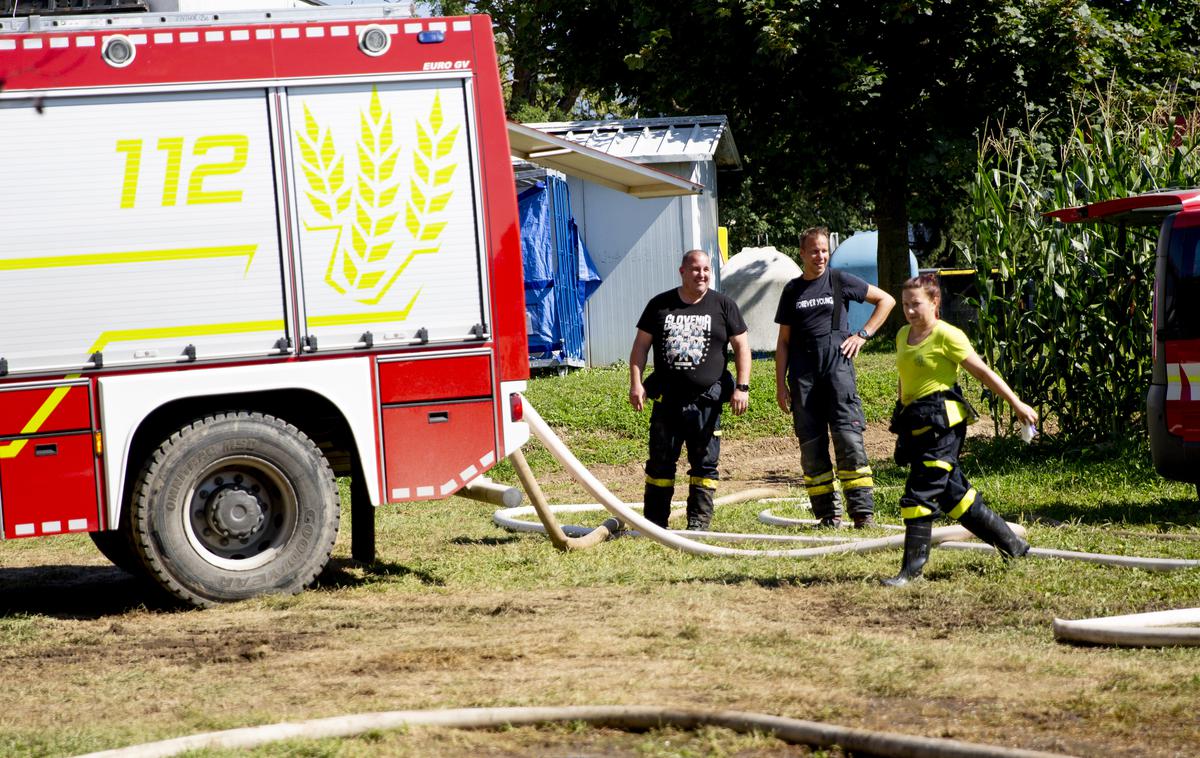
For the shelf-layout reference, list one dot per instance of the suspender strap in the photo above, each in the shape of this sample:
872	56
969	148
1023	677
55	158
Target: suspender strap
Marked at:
835	281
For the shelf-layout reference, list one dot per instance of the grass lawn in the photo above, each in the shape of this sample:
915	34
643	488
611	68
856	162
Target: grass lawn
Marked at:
458	613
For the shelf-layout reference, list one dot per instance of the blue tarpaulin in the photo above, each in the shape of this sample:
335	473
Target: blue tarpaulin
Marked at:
559	273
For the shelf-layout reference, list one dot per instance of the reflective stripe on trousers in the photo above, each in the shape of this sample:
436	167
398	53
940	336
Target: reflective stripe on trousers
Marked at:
936	484
826	408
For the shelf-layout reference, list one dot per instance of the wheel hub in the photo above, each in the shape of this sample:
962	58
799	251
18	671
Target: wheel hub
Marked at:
235	513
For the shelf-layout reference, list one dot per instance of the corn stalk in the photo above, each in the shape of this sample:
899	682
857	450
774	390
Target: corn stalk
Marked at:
1064	315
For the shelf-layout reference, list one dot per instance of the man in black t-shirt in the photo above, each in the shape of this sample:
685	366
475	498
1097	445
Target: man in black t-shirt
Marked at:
815	379
689	329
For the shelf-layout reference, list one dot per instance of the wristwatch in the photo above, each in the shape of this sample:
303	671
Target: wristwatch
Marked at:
863	333
742	387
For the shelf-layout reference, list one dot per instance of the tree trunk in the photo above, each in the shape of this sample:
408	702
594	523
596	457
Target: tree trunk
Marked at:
566	103
891	214
522	85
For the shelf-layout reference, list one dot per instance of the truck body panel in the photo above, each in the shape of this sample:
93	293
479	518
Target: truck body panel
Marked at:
164	234
395	156
302	215
1173	398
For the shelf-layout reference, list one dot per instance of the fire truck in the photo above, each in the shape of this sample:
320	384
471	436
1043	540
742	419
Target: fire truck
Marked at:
1173	401
242	254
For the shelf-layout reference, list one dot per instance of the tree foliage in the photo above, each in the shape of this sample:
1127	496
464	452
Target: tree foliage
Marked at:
1142	50
547	50
841	110
844	112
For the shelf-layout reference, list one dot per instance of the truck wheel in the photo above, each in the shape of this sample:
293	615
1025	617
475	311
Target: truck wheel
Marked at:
233	506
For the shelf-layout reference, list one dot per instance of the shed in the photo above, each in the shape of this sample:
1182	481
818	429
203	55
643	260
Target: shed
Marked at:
559	274
636	244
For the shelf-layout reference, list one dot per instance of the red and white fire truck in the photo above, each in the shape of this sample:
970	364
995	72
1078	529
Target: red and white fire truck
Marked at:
1173	402
241	254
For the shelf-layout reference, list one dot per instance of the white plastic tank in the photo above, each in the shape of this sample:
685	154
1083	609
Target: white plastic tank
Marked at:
755	278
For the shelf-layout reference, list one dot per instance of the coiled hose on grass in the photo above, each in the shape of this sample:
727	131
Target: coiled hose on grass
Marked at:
1134	630
674	540
1139	629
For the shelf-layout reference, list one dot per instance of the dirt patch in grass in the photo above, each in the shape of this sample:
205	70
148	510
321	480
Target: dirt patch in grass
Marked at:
760	462
804	651
457	613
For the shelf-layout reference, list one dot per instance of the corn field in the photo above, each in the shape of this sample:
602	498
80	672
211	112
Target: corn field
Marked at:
1065	311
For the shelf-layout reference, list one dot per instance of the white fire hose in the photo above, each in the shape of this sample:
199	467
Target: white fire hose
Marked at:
630	717
1161	628
1137	629
1155	629
672	539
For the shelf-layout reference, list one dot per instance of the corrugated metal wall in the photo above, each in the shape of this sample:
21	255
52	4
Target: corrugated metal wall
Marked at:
636	246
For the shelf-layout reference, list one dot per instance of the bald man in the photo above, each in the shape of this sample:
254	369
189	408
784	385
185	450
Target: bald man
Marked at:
690	329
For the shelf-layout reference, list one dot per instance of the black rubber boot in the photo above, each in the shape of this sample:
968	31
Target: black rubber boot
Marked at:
699	508
657	504
863	520
918	534
989	527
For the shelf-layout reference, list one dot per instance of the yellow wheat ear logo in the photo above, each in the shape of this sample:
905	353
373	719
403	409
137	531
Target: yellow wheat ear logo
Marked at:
367	257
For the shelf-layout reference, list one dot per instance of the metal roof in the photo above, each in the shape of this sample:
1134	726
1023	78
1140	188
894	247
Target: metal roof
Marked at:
655	140
592	165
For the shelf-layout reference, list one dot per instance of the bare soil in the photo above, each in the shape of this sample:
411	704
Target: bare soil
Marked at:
135	673
760	462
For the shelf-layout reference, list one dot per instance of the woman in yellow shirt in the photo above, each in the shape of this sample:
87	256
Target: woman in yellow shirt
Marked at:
931	421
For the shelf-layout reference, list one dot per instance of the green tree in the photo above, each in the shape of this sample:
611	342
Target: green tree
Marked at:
843	111
1140	51
873	106
544	55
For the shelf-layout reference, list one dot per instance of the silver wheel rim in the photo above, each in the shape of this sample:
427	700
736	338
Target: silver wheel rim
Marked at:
240	513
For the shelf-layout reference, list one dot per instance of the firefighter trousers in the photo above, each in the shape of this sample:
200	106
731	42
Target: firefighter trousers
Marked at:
697	426
825	406
936	485
930	437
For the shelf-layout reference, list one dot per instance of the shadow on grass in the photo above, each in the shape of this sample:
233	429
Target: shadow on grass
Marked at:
1175	512
779	477
1008	454
342	573
766	582
93	592
1123	466
78	592
485	541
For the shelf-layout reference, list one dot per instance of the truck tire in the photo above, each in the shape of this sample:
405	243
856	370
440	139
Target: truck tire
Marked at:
234	506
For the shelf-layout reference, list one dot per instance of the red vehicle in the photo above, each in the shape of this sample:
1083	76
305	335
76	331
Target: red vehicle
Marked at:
1173	402
244	253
